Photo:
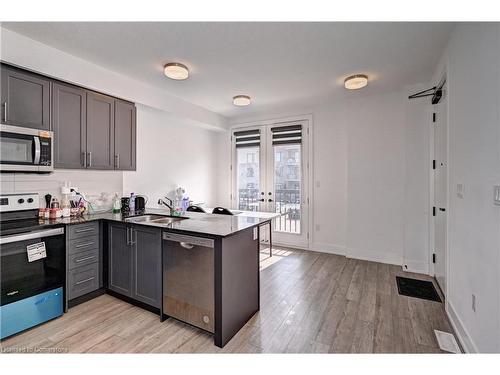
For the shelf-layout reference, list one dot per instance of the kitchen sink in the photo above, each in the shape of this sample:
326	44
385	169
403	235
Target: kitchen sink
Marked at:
155	219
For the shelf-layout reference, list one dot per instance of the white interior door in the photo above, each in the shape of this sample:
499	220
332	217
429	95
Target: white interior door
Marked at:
441	190
270	174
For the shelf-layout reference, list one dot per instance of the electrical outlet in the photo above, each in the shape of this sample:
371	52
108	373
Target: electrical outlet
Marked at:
317	228
496	195
474	302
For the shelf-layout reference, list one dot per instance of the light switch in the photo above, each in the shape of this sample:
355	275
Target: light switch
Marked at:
460	191
496	195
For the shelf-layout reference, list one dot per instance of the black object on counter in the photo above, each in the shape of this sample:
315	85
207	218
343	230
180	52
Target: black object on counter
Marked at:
48	198
125	205
140	203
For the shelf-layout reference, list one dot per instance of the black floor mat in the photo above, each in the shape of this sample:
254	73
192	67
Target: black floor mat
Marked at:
417	288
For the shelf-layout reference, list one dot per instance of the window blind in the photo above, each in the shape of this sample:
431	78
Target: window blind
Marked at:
247	138
284	135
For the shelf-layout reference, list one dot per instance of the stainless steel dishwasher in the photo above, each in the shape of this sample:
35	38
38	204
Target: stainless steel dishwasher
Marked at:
188	279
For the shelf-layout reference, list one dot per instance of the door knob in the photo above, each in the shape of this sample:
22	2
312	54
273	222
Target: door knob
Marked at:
269	200
262	200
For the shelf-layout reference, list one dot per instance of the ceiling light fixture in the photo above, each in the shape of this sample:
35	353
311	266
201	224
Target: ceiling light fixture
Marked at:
241	100
355	82
176	71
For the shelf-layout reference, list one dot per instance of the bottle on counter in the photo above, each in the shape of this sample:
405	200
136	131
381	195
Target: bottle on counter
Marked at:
65	202
131	204
117	206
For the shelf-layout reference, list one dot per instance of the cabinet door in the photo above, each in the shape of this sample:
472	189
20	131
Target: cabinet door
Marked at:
120	259
25	99
146	265
100	131
69	107
125	135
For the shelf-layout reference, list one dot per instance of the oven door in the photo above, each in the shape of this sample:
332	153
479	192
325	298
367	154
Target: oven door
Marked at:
21	278
20	149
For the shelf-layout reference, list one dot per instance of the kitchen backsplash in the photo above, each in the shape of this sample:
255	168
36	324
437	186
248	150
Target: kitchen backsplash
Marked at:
88	182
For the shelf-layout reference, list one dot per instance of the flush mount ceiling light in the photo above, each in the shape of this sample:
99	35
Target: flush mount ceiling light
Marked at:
357	81
176	71
241	100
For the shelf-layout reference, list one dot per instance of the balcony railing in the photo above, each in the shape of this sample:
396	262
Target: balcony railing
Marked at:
286	202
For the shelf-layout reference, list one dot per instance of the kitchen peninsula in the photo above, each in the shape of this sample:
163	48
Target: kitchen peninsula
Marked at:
200	268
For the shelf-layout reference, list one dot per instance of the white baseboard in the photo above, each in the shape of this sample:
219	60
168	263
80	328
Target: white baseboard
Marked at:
375	257
344	251
463	336
328	248
416	267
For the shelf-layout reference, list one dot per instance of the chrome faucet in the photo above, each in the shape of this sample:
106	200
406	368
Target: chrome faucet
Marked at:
170	204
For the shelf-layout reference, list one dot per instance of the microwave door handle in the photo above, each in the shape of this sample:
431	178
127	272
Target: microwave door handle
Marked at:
36	159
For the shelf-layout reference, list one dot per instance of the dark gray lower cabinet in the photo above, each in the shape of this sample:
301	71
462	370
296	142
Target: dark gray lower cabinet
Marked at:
146	265
120	259
134	267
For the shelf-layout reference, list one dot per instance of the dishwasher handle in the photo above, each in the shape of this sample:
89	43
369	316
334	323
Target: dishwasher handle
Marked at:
188	242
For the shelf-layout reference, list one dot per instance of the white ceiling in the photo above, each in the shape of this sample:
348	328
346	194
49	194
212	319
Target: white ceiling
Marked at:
274	63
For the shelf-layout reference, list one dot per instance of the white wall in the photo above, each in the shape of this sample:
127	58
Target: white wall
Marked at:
371	177
172	154
88	182
27	53
472	64
174	146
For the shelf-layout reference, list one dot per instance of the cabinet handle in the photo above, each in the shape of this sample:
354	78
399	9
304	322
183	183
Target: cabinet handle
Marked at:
117	161
132	241
84	259
128	236
5	111
84	245
84	281
89	157
84	230
84	159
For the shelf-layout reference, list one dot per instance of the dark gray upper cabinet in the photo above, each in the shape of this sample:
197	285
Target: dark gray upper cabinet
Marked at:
100	131
120	259
125	135
69	123
25	99
91	130
146	265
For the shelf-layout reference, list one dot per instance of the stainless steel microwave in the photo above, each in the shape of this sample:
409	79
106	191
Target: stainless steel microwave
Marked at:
26	149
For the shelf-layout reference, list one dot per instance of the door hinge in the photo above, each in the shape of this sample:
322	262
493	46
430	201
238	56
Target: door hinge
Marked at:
434	117
434	164
433	211
434	258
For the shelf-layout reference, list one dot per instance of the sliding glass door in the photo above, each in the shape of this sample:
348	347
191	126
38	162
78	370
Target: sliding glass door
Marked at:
270	174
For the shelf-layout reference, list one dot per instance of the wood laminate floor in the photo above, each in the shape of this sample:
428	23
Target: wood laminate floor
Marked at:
310	303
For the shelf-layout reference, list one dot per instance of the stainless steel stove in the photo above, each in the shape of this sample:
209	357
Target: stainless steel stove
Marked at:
32	257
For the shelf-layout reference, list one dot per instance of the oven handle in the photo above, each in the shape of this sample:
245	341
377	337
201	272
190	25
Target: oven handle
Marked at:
36	160
31	235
